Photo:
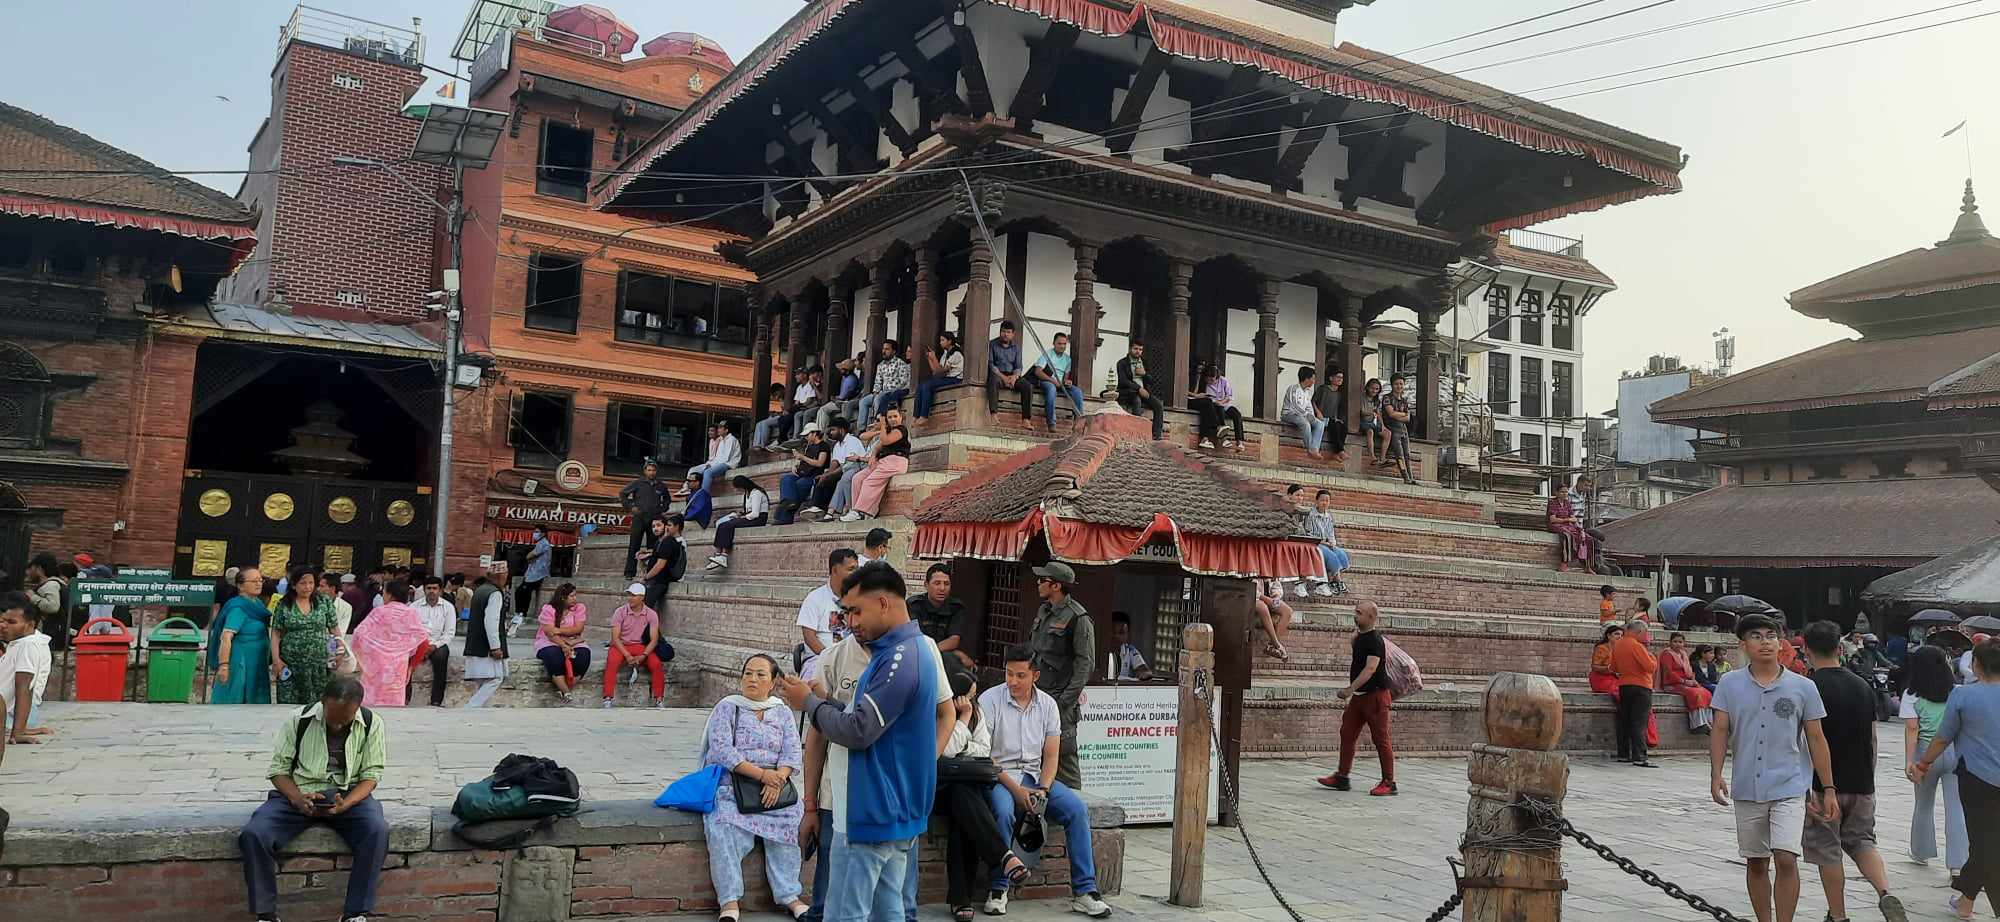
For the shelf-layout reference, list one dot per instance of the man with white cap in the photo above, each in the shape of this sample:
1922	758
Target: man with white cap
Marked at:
635	638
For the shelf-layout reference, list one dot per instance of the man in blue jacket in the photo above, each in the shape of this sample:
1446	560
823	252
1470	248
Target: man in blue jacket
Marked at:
889	732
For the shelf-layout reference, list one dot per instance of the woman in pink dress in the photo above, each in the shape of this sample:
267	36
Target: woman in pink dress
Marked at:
1565	521
386	642
559	641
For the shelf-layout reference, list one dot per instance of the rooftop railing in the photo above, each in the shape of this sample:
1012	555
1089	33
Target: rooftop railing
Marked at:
1546	242
354	35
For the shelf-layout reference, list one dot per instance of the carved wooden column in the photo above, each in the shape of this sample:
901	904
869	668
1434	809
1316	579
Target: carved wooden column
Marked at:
1427	374
1180	273
1350	359
1324	315
837	331
1513	855
795	350
1083	314
1266	349
925	317
878	317
760	359
975	331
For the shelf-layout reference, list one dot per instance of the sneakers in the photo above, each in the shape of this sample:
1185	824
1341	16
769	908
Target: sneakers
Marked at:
1339	588
1090	905
1205	443
1892	908
607	704
853	515
718	562
996	903
354	919
1384	789
1336	782
811	510
1299	589
1323	591
659	704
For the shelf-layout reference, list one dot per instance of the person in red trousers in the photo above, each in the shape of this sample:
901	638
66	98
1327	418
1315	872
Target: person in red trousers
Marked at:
635	637
1367	697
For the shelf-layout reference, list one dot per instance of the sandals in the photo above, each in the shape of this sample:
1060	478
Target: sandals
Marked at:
1015	869
798	913
961	914
1272	649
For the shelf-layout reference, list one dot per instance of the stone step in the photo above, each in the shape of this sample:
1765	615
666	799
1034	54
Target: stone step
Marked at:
1464	646
1411	581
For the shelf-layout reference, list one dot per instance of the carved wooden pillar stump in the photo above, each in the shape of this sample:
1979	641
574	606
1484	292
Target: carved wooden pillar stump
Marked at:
1191	756
1513	859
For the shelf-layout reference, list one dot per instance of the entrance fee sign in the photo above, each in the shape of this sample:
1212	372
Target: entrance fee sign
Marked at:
1126	739
149	591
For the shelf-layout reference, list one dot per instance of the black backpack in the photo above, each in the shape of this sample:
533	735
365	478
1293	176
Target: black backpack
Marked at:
523	796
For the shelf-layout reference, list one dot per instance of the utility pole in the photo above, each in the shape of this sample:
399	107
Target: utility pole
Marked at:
454	229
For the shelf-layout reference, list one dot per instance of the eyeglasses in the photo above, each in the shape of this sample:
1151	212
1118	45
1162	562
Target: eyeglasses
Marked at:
1760	637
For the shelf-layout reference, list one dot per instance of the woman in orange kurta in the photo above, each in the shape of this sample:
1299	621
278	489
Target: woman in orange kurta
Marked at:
1604	679
1677	676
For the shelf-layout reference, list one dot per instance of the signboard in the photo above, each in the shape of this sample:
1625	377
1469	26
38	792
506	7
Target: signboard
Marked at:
572	475
1126	739
148	591
608	519
127	574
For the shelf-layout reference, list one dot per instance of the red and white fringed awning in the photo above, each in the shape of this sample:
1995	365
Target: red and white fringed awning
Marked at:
242	239
1091	544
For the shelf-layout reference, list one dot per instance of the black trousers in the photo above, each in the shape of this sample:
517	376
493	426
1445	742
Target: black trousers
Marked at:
1335	441
526	598
642	529
1635	704
439	657
975	842
1981	802
1132	403
1023	386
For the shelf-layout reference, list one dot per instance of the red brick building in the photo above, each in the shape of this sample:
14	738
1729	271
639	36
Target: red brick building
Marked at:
93	394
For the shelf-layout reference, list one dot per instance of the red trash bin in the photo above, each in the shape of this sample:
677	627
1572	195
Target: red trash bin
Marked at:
102	647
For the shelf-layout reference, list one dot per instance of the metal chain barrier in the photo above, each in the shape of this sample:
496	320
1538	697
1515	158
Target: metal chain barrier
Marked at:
1548	813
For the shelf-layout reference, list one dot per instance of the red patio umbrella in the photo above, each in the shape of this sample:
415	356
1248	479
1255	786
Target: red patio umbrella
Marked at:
597	24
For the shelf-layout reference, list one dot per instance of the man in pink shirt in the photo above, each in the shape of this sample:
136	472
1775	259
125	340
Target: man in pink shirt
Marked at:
635	636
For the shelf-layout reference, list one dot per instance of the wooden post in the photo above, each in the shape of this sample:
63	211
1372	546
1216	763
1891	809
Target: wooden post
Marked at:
1191	765
1522	878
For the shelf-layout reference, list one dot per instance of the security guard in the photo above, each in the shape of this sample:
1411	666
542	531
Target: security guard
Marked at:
1065	647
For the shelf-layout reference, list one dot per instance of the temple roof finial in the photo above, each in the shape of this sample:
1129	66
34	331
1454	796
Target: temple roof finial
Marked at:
1969	226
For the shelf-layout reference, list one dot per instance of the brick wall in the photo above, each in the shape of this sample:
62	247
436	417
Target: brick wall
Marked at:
159	418
350	229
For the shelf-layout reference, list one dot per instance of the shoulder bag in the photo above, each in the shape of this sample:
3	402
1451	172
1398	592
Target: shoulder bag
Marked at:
750	792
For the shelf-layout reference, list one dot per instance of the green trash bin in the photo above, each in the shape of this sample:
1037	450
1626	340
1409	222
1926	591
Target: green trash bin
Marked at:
174	654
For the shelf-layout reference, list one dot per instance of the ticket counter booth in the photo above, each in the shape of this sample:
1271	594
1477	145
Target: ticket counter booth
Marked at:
1154	533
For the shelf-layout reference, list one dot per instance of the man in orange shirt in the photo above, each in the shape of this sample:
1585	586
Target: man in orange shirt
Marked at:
1636	668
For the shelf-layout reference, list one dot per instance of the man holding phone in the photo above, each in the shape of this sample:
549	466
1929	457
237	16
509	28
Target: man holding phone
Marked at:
324	769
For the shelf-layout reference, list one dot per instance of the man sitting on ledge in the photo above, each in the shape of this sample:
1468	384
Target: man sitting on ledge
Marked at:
327	762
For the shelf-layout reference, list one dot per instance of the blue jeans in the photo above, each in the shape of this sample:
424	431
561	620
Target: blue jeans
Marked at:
912	871
276	823
1923	819
1312	429
867	881
769	428
710	473
843	492
1049	400
927	394
1335	559
817	912
1066	808
795	489
872	407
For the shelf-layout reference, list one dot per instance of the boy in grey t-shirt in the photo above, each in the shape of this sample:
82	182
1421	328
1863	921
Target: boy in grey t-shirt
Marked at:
1767	719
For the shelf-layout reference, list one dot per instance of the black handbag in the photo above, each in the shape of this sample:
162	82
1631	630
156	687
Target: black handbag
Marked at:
750	792
964	770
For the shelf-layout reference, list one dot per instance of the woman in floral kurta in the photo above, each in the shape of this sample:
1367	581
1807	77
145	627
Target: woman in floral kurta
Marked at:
754	735
302	622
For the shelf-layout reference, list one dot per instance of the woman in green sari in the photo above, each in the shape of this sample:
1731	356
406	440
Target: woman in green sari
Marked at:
302	622
239	648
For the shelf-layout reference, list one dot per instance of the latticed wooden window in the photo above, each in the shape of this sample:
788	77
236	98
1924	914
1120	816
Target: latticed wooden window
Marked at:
1004	625
24	395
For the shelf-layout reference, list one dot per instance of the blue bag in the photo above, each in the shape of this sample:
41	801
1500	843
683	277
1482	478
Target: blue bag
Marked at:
694	793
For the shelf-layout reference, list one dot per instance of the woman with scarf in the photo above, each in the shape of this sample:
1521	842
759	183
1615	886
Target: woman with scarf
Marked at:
387	643
1677	675
1565	519
302	623
975	838
239	644
754	735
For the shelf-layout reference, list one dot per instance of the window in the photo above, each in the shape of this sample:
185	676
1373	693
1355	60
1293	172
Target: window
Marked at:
1563	378
1397	360
555	292
1562	322
1562	451
678	439
68	259
643	307
685	314
732	322
24	394
539	429
1499	300
1531	387
1530	309
14	252
563	169
1531	448
1500	382
1503	441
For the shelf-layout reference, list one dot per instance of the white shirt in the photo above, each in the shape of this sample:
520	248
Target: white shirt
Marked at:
822	614
849	447
953	363
756	503
29	654
805	393
725	450
1298	399
969	742
440	620
1019	732
1130	661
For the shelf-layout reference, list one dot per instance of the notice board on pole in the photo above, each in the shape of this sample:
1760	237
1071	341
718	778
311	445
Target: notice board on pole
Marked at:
1126	739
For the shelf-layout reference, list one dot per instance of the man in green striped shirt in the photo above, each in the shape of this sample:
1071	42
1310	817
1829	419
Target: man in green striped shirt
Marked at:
324	769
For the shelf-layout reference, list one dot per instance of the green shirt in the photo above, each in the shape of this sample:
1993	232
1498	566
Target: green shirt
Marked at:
366	751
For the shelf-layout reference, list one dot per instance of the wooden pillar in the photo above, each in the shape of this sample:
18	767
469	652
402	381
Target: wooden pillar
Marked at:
1083	314
837	336
1513	856
1427	374
1266	349
1197	726
795	350
1350	359
760	362
1325	315
1180	275
878	317
977	323
924	315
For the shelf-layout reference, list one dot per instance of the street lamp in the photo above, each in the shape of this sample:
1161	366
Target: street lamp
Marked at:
457	137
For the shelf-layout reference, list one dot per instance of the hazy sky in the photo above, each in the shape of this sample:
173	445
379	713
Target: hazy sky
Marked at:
1802	168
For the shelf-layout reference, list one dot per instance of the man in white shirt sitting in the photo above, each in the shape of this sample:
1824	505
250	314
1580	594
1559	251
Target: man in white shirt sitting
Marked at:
822	621
724	454
848	458
440	617
24	671
1026	725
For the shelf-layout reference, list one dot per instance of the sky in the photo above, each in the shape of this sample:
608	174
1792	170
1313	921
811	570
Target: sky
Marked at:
1799	169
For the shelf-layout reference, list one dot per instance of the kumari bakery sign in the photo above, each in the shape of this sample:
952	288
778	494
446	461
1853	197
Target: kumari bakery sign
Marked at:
560	515
1126	739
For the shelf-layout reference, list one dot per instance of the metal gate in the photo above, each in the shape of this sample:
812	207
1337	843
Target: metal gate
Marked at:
277	522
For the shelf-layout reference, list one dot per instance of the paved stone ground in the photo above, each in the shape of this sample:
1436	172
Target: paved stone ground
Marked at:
1337	857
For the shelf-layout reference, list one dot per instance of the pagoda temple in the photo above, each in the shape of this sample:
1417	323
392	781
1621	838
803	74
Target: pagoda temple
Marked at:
1857	459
